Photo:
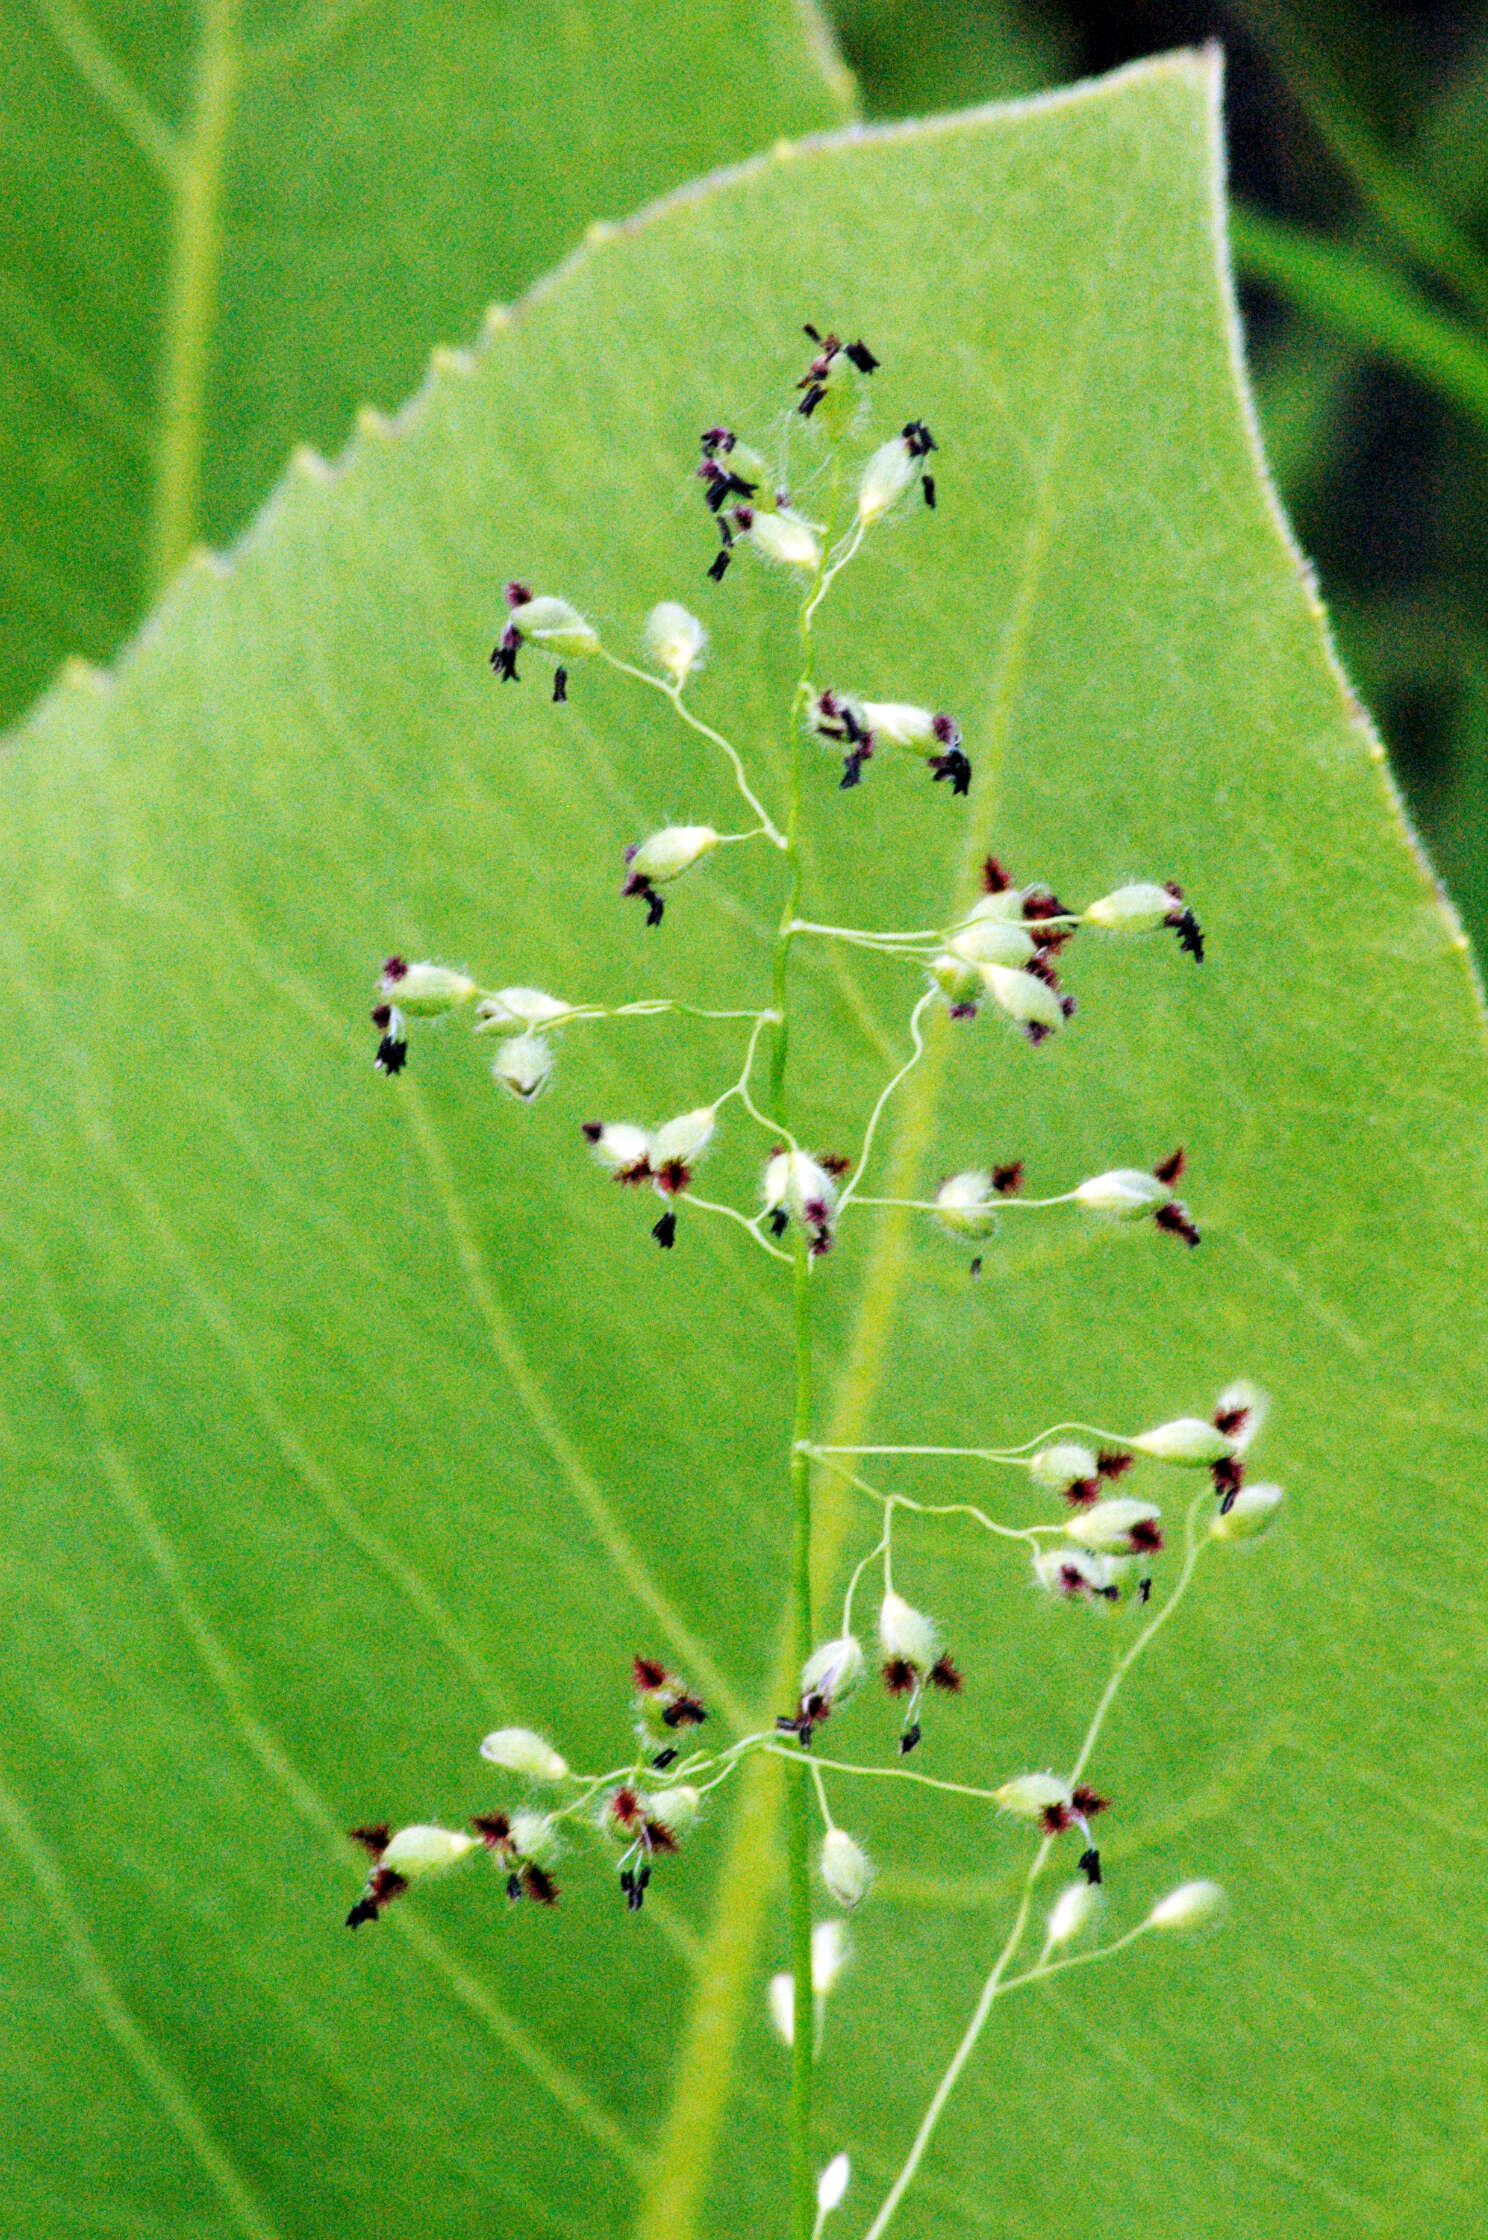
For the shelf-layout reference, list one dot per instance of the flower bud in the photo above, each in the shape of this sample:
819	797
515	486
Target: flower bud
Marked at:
677	1809
1078	1574
832	1674
1033	1795
1126	1193
1143	908
621	1148
919	729
959	982
846	1868
1117	1528
801	1189
966	1204
1025	999
509	1010
832	2184
1077	1908
1066	1469
555	625
861	725
885	478
398	1860
534	1836
830	1951
1240	1412
906	1635
676	1145
1193	1905
781	536
523	1064
1187	1441
912	1659
422	1850
993	940
519	1750
1252	1512
675	639
1130	1193
667	854
1140	908
423	991
891	470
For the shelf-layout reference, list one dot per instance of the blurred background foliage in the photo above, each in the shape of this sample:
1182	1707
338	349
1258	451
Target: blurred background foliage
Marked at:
228	225
1359	164
391	170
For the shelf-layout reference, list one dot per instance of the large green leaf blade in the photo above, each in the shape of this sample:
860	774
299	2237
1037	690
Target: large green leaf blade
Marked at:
347	1415
229	226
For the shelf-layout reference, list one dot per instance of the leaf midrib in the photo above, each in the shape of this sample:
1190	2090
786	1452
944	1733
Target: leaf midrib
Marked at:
191	305
190	165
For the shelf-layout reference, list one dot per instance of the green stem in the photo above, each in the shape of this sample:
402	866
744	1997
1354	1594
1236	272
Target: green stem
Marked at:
798	1830
785	932
798	1817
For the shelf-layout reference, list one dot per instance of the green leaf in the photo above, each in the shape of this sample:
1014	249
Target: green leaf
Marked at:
228	226
347	1417
1364	302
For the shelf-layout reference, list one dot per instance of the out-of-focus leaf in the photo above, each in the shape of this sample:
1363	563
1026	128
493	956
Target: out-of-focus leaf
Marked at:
1361	299
1402	204
1451	136
906	64
227	225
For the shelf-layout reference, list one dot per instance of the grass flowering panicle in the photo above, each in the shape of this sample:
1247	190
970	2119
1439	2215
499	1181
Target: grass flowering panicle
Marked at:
1102	1546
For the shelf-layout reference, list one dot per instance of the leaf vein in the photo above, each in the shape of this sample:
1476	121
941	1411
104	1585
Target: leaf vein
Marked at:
264	1746
157	2077
111	87
628	1563
156	1227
